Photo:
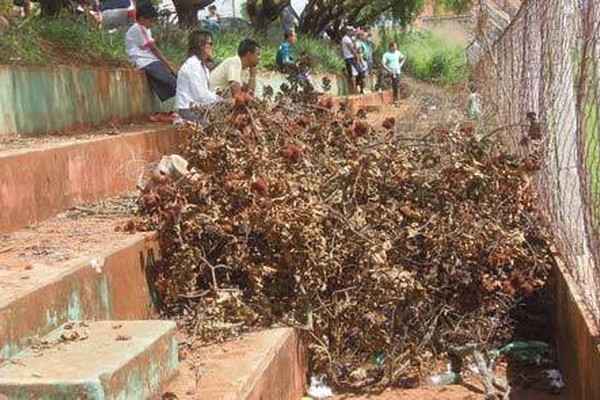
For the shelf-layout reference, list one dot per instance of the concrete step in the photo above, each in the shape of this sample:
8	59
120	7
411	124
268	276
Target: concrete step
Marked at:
95	361
265	365
46	177
71	267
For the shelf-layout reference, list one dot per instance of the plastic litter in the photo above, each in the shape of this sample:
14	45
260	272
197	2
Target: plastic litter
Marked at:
530	351
97	264
555	379
318	388
447	378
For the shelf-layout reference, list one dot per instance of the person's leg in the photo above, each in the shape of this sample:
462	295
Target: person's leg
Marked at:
161	80
361	82
395	87
349	72
189	115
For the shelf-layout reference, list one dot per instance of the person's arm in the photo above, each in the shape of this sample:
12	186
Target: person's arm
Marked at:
199	83
384	63
252	81
401	59
234	78
161	57
354	50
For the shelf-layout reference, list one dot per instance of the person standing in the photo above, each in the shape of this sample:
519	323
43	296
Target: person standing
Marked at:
193	88
284	57
145	56
289	18
392	62
350	56
227	76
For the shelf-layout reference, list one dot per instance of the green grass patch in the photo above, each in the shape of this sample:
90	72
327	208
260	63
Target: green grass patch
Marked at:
428	58
73	42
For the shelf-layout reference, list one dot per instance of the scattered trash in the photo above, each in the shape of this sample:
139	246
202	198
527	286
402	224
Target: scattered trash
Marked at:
555	379
97	265
75	331
528	351
122	338
447	378
318	388
118	326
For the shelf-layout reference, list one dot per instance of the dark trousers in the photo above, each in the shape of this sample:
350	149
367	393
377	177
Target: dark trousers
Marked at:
395	86
161	80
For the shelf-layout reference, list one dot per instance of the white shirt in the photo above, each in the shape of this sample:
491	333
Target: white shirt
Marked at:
230	70
192	85
137	44
347	45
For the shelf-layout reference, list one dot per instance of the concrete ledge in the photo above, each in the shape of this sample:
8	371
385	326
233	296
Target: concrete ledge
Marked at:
266	365
73	290
367	101
117	360
39	183
578	338
61	99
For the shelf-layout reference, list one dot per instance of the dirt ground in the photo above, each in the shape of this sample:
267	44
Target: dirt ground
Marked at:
8	143
80	230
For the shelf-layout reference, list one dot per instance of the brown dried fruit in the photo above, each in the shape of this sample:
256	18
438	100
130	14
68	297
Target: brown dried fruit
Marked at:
361	128
291	153
326	102
260	186
389	123
242	98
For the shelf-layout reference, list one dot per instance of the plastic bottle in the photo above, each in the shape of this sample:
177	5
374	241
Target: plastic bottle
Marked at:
447	378
528	350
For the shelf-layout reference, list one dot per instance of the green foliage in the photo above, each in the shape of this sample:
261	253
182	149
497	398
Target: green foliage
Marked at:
429	58
70	35
5	7
21	46
325	57
458	6
69	41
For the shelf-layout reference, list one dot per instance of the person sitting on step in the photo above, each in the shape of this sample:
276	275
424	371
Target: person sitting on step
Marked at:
145	55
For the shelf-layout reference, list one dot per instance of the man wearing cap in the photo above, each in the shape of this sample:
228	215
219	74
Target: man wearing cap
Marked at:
144	54
350	56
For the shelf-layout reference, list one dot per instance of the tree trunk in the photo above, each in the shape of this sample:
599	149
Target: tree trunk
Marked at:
51	8
187	12
263	12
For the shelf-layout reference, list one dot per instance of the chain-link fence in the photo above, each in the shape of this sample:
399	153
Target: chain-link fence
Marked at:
547	62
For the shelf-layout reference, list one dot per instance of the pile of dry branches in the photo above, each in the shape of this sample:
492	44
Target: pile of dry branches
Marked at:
386	250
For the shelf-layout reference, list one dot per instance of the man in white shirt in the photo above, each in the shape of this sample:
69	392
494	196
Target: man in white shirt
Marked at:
144	54
227	76
193	88
350	55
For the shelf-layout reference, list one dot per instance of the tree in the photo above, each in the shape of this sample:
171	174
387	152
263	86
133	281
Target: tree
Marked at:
187	11
334	14
51	8
263	12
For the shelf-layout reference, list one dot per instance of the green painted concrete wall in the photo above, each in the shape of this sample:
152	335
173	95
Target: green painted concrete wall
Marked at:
63	99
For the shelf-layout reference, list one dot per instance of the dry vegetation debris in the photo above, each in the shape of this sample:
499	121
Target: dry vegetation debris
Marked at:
385	250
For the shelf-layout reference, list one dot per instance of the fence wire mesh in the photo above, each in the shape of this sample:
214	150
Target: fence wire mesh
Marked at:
547	62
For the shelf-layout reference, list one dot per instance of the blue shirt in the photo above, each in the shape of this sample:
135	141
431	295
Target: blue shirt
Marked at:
284	55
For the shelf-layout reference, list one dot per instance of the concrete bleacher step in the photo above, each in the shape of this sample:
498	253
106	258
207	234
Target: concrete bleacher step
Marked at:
39	179
265	365
94	361
71	267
